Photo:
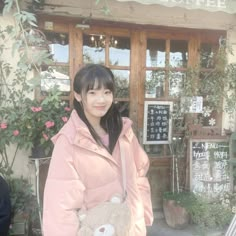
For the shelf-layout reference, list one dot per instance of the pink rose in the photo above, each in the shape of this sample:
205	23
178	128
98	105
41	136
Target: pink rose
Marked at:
3	125
36	109
16	132
65	119
45	137
49	124
67	109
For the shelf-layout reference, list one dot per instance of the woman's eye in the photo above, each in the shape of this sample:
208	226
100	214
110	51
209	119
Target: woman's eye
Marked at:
108	92
91	92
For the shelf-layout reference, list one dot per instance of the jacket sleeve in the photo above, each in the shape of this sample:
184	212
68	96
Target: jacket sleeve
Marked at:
63	193
142	165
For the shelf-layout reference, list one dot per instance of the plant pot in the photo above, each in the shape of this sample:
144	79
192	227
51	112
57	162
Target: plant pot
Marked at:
20	225
176	216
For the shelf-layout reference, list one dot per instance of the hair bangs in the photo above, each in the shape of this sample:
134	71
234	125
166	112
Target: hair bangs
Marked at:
98	79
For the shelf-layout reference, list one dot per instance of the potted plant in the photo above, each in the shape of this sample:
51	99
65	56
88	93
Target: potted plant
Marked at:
176	200
23	204
204	212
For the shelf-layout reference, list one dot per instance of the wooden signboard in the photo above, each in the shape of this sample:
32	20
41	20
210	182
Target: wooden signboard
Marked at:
209	166
157	122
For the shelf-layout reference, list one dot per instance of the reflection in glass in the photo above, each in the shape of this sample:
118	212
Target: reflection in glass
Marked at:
119	51
154	84
123	108
52	78
94	48
206	55
155	54
178	53
176	83
59	46
122	83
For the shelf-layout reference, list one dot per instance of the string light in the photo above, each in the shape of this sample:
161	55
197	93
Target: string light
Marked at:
100	41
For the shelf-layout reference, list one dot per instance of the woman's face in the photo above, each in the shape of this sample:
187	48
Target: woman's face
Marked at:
96	102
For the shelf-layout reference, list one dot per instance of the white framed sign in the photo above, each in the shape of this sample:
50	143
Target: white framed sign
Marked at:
157	122
209	166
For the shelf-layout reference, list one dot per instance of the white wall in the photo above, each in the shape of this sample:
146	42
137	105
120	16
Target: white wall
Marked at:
22	165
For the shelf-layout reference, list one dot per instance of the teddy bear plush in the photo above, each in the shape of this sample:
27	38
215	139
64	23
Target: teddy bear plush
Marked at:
111	218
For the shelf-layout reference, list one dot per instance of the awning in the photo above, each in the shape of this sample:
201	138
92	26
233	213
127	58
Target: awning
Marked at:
228	6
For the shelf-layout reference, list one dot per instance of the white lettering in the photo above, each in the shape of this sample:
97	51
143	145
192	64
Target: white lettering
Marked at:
221	3
211	3
198	3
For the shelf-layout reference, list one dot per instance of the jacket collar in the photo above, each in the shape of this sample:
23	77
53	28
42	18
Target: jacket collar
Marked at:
81	134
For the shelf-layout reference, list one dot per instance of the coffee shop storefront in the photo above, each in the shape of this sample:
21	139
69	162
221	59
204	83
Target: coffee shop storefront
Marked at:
139	42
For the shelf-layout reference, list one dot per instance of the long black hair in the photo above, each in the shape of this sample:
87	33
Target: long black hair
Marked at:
85	80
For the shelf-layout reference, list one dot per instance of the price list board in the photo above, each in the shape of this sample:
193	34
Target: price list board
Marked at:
157	122
209	167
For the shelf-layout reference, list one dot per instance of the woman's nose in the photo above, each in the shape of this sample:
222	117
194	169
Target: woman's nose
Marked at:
101	98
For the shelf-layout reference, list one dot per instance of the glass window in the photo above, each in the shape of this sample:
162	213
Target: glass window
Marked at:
178	53
122	83
176	83
94	48
155	84
119	51
207	55
57	73
155	53
52	77
59	46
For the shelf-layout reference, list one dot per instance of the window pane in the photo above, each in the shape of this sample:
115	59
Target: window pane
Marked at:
59	46
176	83
57	76
178	53
155	84
155	54
122	83
119	51
207	55
94	48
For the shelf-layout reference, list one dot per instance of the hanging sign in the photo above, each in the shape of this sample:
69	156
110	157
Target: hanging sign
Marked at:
192	104
157	122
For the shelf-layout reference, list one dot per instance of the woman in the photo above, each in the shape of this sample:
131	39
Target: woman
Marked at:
85	168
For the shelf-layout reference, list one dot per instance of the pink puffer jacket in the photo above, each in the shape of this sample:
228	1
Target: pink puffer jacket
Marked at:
83	174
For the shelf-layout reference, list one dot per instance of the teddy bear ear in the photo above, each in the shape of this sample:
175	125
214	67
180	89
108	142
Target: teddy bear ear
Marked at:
106	229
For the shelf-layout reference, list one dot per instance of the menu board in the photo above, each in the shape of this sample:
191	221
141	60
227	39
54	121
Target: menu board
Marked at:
209	167
157	122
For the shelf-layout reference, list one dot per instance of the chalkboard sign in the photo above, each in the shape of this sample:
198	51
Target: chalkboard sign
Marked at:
157	122
209	167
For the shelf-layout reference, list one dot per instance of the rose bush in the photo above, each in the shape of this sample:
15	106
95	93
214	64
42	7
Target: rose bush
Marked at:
33	122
